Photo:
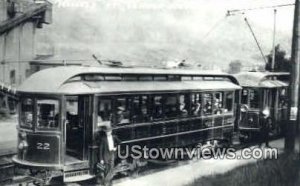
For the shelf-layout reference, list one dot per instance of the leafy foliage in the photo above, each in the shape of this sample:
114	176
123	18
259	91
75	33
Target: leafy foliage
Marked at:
235	67
282	64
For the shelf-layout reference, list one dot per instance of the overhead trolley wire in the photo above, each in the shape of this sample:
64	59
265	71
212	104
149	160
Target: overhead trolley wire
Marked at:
241	11
216	25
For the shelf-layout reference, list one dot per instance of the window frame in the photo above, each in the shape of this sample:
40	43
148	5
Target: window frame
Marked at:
33	113
35	97
58	128
258	91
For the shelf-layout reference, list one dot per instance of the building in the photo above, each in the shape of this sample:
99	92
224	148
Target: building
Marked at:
19	21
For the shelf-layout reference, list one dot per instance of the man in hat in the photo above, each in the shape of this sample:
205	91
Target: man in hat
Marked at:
265	124
120	114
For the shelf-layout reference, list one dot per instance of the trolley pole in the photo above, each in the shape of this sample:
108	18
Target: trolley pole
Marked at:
291	126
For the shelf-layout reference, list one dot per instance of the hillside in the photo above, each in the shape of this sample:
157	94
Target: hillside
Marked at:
149	32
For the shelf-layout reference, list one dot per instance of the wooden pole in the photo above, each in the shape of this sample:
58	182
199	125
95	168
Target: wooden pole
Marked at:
291	126
274	42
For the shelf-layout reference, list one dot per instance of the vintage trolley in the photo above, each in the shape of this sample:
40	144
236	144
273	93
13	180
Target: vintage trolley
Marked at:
72	119
264	93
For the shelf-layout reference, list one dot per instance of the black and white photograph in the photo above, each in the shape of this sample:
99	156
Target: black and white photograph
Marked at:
149	92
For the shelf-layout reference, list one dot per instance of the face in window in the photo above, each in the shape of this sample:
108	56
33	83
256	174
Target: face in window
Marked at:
207	103
104	110
27	112
196	104
157	110
47	113
244	96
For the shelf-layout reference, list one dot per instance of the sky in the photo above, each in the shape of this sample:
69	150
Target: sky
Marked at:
148	32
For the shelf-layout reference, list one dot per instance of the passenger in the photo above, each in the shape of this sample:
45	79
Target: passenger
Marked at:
196	108
218	109
182	109
120	115
135	111
144	115
158	113
265	126
208	107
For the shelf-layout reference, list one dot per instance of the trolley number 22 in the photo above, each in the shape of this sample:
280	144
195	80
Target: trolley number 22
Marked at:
43	146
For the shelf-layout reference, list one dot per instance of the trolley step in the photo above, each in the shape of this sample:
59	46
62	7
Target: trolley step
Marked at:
75	176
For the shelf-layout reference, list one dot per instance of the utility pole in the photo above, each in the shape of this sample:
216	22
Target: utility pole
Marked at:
291	126
274	42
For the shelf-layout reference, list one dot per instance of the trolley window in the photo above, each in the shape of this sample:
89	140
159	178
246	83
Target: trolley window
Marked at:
122	110
229	101
218	103
104	111
160	78
93	77
130	78
171	106
140	109
157	111
144	109
283	100
186	78
184	105
72	111
196	106
198	78
244	96
146	78
207	101
253	98
47	113
27	106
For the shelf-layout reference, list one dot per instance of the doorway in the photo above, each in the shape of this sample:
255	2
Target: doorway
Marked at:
78	127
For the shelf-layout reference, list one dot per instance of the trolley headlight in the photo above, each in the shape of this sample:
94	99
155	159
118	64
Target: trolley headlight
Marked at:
251	119
23	135
266	112
23	145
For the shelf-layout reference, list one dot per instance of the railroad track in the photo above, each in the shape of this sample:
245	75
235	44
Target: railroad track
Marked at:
7	168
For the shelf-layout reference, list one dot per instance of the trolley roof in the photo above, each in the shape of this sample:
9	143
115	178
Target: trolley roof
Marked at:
57	81
263	79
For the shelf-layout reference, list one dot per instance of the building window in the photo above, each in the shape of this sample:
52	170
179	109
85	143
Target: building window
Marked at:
11	8
12	77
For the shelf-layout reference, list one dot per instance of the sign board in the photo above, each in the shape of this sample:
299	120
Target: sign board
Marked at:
293	113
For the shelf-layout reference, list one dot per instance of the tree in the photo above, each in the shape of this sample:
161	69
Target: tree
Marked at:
235	67
282	64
